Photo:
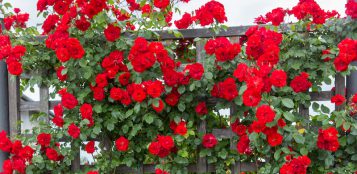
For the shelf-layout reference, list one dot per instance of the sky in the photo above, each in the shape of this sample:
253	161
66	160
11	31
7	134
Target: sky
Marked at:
239	12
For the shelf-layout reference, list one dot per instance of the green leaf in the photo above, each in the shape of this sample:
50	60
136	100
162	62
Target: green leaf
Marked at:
223	154
304	151
289	116
181	107
137	108
110	126
277	155
129	113
97	108
209	75
181	89
299	138
149	118
354	157
325	109
287	102
315	106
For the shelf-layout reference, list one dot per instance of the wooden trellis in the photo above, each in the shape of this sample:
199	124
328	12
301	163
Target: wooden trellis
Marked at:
16	106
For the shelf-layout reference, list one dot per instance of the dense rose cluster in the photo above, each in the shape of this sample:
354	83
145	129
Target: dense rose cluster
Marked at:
184	22
179	128
17	21
20	155
12	55
328	139
223	49
162	147
297	165
351	9
209	12
310	9
301	83
226	89
276	17
347	54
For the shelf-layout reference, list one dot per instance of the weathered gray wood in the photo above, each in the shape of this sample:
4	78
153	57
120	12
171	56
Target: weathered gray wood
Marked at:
76	162
303	111
321	96
234	166
340	88
44	98
14	103
223	133
202	162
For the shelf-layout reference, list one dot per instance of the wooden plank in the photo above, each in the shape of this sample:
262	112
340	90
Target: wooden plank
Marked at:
340	88
234	166
223	133
202	162
321	96
14	103
26	106
54	103
44	98
76	162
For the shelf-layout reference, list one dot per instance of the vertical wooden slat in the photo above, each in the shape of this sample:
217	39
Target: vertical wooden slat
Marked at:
14	104
44	101
76	163
340	88
201	162
235	167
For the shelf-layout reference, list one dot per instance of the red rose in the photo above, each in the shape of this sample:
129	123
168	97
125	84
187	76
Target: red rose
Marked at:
181	128
122	144
338	99
195	70
138	94
351	9
98	93
172	98
241	72
62	54
154	148
275	139
74	131
112	33
265	114
257	126
16	147
26	153
93	172
160	171
276	16
59	74
278	78
87	113
301	83
52	154
58	121
162	4
226	89
239	129
209	141
154	88
166	142
184	22
158	108
44	139
5	142
82	24
328	139
7	167
124	78
14	68
116	94
201	108
90	147
69	101
243	145
251	97
296	165
281	123
101	80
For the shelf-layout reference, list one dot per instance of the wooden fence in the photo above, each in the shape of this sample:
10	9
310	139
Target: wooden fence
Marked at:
16	105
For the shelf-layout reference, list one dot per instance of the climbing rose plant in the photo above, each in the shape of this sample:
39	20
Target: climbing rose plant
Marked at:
128	98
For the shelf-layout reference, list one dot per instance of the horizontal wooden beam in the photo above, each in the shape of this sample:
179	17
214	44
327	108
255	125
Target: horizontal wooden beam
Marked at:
321	96
150	168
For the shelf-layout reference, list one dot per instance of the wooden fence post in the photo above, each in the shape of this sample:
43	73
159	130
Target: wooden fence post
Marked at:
340	88
14	103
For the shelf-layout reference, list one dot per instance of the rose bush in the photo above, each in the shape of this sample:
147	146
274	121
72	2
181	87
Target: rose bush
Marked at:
143	99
